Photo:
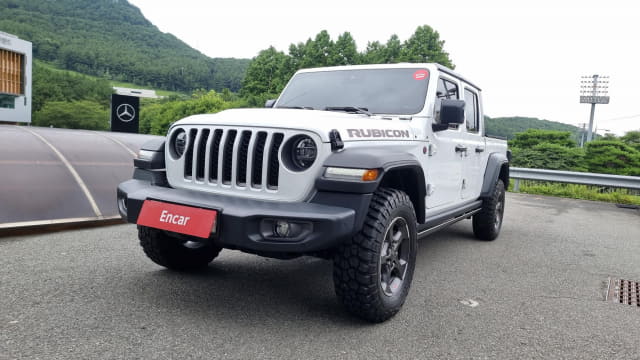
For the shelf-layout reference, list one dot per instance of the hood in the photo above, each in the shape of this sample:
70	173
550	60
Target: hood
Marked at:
352	127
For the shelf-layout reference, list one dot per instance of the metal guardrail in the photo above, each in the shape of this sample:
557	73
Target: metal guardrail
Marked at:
571	177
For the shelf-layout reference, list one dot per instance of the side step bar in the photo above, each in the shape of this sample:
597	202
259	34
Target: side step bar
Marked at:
428	231
449	218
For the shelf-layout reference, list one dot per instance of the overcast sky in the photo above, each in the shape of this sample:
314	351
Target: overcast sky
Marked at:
528	59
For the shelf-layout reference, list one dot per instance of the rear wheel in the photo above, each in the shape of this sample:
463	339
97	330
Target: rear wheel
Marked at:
488	222
173	252
373	270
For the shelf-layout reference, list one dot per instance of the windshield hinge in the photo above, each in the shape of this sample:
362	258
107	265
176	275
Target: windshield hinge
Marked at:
336	140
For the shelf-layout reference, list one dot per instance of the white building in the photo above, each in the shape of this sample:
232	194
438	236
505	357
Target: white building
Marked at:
15	79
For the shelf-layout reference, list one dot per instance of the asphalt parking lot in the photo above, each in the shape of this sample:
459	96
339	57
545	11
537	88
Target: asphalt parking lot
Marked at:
536	292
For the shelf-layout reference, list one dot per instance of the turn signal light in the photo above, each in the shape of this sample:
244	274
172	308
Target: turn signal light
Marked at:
351	174
370	175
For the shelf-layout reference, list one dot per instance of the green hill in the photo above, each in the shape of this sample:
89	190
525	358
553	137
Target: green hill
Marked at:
113	40
508	126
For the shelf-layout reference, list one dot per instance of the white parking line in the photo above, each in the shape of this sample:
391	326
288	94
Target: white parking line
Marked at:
117	142
73	171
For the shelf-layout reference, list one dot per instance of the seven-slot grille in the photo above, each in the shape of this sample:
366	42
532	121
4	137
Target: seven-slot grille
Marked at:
238	158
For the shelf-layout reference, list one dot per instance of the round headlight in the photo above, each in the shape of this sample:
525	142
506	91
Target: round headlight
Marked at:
304	152
179	142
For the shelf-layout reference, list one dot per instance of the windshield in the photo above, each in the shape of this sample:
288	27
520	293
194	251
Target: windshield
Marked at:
378	91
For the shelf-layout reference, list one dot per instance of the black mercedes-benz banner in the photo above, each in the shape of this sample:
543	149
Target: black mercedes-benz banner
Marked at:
124	113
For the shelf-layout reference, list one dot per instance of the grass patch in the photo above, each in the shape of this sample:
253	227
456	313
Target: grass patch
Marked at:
574	191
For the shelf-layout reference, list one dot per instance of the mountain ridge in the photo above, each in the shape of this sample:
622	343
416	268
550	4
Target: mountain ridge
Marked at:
113	39
509	126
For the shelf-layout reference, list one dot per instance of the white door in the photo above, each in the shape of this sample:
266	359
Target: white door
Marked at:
475	156
443	167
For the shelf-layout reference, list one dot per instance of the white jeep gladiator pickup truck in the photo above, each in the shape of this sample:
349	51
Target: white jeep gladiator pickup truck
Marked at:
352	163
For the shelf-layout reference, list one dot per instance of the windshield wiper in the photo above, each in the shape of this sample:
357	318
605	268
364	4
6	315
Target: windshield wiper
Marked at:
351	109
295	107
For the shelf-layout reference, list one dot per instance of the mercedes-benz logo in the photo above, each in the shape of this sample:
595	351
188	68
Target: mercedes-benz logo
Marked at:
125	112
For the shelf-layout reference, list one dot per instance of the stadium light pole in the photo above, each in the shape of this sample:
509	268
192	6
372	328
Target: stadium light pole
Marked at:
594	90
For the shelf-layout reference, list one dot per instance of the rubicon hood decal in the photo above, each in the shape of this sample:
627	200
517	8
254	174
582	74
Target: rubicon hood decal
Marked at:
378	133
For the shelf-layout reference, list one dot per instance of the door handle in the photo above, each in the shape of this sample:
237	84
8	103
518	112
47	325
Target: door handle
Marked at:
460	148
479	149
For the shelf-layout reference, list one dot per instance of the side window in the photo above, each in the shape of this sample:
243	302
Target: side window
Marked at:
471	110
446	90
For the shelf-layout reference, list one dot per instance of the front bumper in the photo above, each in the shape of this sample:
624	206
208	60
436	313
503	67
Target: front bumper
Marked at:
244	223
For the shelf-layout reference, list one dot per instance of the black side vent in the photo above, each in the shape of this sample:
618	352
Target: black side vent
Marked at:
258	154
188	156
228	157
201	153
274	164
243	153
215	152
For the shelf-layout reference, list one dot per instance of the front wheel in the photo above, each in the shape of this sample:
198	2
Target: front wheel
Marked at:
372	271
488	222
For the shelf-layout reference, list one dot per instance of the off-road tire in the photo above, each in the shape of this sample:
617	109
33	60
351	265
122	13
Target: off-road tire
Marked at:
174	253
488	222
360	261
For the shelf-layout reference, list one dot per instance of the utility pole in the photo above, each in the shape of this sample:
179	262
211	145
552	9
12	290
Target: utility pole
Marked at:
593	90
582	134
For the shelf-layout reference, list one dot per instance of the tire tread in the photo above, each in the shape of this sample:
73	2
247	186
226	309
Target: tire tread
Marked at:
167	251
356	260
483	221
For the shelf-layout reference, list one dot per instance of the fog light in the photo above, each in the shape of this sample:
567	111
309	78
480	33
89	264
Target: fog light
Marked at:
282	228
285	230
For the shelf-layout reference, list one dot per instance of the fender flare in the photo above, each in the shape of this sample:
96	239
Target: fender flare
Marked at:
384	160
491	174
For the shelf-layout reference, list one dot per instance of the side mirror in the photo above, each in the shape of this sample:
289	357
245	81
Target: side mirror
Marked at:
451	113
269	103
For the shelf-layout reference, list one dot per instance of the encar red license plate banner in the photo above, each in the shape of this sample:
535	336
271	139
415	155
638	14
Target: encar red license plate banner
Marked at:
177	218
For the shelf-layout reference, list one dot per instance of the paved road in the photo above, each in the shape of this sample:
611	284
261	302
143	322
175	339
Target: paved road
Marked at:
539	287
